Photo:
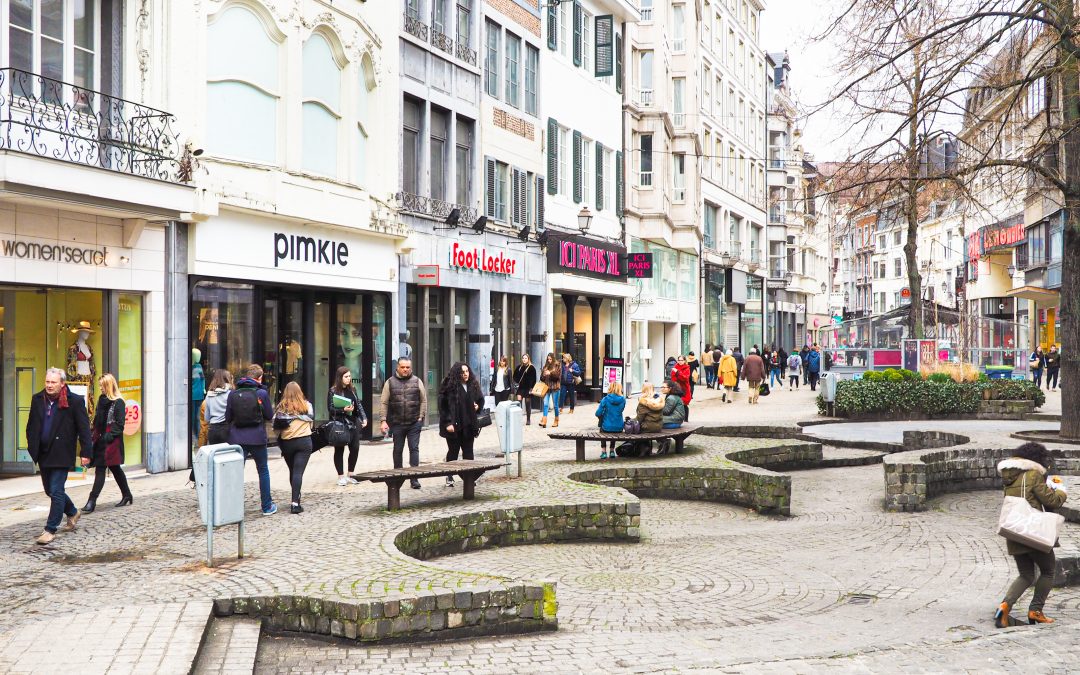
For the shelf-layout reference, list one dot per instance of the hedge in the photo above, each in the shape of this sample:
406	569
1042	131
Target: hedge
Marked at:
925	397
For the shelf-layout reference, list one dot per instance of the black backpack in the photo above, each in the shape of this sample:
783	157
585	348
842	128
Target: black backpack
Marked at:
247	408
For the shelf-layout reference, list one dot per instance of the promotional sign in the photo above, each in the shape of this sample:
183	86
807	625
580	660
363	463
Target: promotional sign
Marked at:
613	372
1002	234
639	265
570	254
427	275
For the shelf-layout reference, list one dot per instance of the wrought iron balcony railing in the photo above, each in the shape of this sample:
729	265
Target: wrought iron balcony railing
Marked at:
416	27
442	41
435	209
49	118
466	54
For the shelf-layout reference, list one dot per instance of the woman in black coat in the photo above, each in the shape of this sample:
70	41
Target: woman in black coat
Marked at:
353	415
524	381
108	430
459	400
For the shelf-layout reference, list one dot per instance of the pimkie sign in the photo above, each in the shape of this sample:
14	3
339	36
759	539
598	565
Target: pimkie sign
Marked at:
569	254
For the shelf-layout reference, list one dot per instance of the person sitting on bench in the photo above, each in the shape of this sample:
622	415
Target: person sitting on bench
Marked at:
650	409
610	414
673	414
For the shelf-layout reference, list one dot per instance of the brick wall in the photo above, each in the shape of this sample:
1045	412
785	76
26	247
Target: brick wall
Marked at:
515	11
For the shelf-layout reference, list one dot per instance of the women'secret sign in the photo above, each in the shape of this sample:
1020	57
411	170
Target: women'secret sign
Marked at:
481	261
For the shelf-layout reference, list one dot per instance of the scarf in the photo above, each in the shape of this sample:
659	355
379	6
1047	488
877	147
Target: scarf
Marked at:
61	397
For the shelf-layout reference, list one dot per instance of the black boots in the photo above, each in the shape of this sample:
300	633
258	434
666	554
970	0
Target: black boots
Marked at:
91	504
125	501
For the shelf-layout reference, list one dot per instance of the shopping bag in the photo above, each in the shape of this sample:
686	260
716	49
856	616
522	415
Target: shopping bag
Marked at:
1035	529
540	390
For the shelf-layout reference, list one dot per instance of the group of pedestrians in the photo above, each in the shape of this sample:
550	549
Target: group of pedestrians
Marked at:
559	379
1048	363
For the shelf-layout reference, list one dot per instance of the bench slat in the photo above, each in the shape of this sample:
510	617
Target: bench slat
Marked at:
429	470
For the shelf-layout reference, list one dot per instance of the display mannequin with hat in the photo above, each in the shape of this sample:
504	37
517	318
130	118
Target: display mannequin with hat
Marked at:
81	367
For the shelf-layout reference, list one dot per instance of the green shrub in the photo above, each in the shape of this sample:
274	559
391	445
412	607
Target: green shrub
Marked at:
1016	390
890	393
939	377
909	375
893	375
872	376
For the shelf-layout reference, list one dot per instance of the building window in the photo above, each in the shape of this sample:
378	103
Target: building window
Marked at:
440	130
678	28
491	60
645	178
678	96
896	238
57	39
896	267
609	178
502	191
463	161
710	226
678	174
410	146
532	66
586	170
242	85
464	23
586	41
564	161
645	78
513	74
322	102
566	26
364	84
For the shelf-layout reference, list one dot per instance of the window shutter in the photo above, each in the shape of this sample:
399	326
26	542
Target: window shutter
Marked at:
553	155
489	198
618	183
539	203
552	27
618	63
579	20
599	177
577	167
515	198
523	198
605	29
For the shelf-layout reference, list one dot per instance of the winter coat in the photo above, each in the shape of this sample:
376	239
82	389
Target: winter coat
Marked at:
1053	359
299	425
569	372
650	411
358	416
1027	479
1039	359
813	361
108	427
680	375
610	412
255	435
794	365
458	406
552	377
753	369
729	371
494	380
674	411
739	359
781	358
524	379
707	359
693	364
403	400
71	425
216	399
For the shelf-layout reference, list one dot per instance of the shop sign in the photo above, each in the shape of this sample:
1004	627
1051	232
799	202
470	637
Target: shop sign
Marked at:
1003	234
74	255
481	260
585	257
613	372
427	275
299	248
639	265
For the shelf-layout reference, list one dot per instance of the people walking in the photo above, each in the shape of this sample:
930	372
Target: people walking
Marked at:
813	366
107	435
775	377
551	375
500	381
804	355
459	400
680	375
694	365
343	404
247	409
739	361
524	381
293	417
794	369
729	376
1053	366
782	359
1024	475
402	407
610	414
571	378
709	367
56	424
214	429
753	371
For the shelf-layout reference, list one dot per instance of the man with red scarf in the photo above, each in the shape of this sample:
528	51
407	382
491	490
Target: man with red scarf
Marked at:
58	420
680	375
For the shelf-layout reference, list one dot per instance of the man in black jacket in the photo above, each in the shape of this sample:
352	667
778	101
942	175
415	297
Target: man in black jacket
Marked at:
739	359
58	420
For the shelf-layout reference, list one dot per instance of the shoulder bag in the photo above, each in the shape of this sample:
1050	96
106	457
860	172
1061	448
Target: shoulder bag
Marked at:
1021	523
337	433
540	389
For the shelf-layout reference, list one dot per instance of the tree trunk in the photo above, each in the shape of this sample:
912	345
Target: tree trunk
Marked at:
911	198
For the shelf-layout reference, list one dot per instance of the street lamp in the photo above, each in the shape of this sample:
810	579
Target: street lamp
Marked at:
584	218
824	287
1011	270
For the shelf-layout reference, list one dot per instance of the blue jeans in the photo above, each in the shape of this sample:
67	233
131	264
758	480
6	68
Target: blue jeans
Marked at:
553	397
774	377
672	425
53	481
258	453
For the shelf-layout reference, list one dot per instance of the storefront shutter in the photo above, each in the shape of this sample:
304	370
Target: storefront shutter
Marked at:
579	20
577	167
618	183
489	176
552	155
539	203
599	177
552	27
618	63
605	30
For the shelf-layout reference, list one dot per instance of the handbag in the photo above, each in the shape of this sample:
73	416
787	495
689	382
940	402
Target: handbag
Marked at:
577	380
483	418
337	433
763	390
631	426
1019	522
540	390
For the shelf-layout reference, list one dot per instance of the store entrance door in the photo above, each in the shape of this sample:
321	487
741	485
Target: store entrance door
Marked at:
283	342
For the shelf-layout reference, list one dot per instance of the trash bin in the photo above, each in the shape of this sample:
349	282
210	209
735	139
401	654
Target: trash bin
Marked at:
999	372
227	463
510	426
828	387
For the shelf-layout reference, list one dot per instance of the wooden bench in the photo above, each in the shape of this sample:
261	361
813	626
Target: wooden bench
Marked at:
582	437
468	469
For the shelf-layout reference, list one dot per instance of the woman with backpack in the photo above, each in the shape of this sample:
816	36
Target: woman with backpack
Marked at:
794	369
524	381
351	413
108	449
551	375
610	414
460	399
292	418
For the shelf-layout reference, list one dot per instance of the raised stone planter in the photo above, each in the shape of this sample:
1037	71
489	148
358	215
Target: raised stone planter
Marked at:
781	457
1005	410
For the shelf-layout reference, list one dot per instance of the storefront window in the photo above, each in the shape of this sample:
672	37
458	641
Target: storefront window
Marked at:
323	362
751	329
669	273
611	327
688	277
222	316
129	371
497	336
515	306
436	352
380	317
350	338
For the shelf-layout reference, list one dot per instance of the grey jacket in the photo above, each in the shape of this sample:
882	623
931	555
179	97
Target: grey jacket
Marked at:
215	405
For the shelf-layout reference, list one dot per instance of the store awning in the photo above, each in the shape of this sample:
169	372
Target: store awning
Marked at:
1035	293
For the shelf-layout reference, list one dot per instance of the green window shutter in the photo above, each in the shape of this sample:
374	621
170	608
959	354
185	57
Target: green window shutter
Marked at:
605	31
618	63
552	155
577	167
579	21
552	28
618	184
539	203
599	177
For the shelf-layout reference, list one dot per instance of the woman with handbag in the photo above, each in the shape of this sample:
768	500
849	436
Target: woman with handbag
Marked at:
500	381
108	437
1024	475
551	378
571	378
347	418
524	381
459	400
292	418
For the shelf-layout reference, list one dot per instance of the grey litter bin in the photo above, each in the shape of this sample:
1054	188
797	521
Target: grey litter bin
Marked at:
219	482
828	387
510	425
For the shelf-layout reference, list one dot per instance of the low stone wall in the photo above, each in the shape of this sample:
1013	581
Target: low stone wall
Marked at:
1067	567
759	489
781	457
1005	410
520	608
922	440
752	431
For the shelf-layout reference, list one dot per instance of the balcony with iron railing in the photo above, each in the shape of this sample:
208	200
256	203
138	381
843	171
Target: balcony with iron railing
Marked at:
63	121
645	179
420	30
434	209
415	27
644	98
646	14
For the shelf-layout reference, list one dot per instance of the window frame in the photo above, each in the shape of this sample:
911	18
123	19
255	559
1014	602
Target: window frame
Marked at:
512	77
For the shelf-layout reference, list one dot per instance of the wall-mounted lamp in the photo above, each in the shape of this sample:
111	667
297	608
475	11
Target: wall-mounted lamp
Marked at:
584	219
1011	270
124	260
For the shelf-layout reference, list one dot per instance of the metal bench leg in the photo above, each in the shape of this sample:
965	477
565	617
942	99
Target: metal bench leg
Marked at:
469	492
581	450
679	444
393	494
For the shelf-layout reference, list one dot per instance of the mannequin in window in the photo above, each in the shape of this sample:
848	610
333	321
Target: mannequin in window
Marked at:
198	389
293	356
81	367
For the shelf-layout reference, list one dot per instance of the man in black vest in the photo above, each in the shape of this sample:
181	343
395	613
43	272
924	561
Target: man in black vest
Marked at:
57	421
402	406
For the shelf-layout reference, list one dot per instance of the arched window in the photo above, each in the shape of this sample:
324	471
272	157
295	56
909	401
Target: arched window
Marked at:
322	107
364	86
242	87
